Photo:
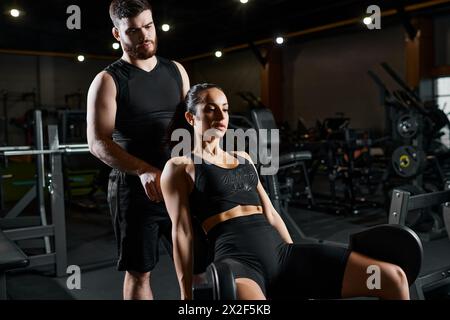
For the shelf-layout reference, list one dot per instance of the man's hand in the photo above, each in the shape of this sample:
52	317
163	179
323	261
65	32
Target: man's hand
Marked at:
150	179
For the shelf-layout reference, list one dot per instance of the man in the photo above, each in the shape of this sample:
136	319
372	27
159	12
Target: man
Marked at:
130	105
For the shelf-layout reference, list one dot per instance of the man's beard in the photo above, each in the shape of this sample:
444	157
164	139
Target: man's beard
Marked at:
142	53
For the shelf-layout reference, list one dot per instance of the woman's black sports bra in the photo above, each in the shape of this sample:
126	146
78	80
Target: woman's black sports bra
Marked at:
218	189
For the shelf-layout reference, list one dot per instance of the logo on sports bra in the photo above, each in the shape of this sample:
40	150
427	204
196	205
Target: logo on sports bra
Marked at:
240	179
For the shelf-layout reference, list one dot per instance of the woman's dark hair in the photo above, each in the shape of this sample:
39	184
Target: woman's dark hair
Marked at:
119	9
192	100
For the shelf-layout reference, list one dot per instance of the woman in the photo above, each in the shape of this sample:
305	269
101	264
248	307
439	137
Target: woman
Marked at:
222	191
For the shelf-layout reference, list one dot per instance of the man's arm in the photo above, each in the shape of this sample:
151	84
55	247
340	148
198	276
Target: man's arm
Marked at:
175	188
101	115
184	77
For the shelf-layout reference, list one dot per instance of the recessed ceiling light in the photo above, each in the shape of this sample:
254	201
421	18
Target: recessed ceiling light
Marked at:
15	13
367	20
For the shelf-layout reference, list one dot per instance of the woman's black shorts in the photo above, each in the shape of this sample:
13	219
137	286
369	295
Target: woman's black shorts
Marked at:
254	249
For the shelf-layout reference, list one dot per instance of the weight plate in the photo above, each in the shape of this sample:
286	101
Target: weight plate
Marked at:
407	161
407	126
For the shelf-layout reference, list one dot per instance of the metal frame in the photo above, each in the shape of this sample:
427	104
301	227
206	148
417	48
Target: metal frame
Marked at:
40	169
402	202
56	188
14	258
3	295
57	255
426	282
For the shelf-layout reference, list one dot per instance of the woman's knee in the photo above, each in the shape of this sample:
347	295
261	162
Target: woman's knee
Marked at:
394	277
389	280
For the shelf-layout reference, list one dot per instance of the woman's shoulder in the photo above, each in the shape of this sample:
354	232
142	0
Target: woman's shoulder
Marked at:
175	175
179	162
177	165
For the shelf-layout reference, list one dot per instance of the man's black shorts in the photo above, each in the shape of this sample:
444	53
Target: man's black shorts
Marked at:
140	225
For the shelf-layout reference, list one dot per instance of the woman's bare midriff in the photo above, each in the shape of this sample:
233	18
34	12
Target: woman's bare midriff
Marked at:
238	211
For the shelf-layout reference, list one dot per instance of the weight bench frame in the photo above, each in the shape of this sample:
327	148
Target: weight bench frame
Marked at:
402	202
16	259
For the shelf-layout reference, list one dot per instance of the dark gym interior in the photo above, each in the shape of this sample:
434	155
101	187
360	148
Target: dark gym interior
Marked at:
359	91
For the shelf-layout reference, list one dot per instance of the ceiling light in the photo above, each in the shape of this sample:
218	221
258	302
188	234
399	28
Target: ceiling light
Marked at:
80	58
165	27
279	40
15	13
218	54
243	1
116	45
367	20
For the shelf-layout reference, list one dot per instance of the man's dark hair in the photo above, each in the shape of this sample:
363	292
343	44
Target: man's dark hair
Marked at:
120	9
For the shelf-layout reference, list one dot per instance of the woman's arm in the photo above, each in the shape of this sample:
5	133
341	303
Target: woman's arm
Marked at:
269	211
175	189
272	215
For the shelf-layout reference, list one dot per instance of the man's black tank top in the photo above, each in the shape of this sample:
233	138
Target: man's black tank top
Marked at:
218	189
146	102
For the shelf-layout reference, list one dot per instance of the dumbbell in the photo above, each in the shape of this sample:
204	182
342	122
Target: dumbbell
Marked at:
219	285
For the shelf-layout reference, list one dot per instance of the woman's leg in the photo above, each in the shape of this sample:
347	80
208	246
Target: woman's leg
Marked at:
248	289
393	281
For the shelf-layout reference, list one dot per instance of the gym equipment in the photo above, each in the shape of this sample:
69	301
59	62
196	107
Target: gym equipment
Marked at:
11	257
392	243
263	119
219	285
428	221
84	174
402	203
345	157
56	254
408	161
414	217
413	127
407	126
72	124
342	164
9	98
